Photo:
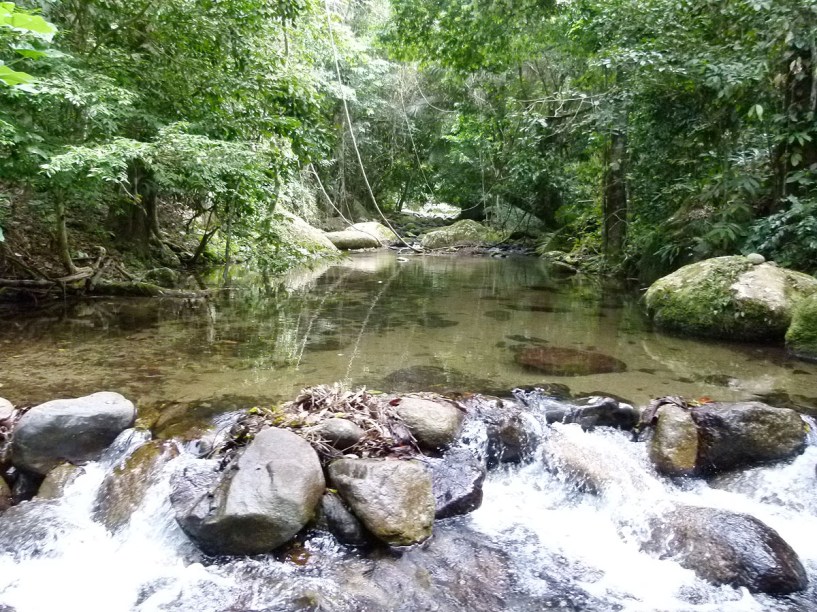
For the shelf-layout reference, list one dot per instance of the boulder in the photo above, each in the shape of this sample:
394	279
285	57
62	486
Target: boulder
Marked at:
674	444
256	505
6	498
729	297
58	479
340	521
508	438
461	233
457	480
370	235
295	233
340	433
801	337
434	424
392	498
744	434
124	488
164	277
597	411
6	410
75	430
725	547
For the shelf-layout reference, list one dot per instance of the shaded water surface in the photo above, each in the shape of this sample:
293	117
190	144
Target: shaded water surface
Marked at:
428	323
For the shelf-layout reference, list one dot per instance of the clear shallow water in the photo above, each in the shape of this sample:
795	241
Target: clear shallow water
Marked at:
427	323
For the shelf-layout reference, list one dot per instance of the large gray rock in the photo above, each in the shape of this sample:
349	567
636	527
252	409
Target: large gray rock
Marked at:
745	433
75	430
674	445
729	297
461	233
434	423
392	498
457	480
370	235
125	487
727	548
257	505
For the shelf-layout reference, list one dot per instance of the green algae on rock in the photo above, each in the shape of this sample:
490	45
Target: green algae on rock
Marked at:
728	297
801	338
461	233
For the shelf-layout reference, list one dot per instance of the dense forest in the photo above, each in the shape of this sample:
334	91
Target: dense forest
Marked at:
637	135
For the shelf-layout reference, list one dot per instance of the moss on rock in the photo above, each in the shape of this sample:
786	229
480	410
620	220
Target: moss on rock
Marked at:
461	233
728	297
801	338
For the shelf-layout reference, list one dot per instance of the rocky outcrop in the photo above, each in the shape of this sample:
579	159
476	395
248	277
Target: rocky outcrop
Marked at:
124	488
674	445
801	337
461	233
457	480
434	424
745	434
257	504
725	547
370	235
75	430
392	498
729	297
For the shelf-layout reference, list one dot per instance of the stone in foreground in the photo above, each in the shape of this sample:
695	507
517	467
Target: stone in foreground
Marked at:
435	424
75	430
728	548
264	501
729	297
457	480
392	498
674	445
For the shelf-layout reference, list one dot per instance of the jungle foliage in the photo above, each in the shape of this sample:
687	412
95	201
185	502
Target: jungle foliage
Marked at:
642	134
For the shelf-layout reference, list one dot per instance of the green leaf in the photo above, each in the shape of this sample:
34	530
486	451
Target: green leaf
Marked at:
13	78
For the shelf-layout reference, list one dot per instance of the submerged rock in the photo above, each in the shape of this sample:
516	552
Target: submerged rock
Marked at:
75	430
560	361
256	505
729	297
392	498
801	337
461	233
124	488
744	434
434	378
342	523
674	445
457	480
727	548
434	424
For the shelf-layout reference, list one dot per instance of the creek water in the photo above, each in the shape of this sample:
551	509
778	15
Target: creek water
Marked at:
537	542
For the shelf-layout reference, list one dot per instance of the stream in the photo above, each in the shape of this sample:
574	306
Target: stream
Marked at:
539	541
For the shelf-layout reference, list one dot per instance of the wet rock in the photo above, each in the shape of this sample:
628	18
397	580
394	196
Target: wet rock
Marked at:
75	430
509	439
461	233
559	361
457	480
340	521
6	410
596	411
744	434
801	337
729	297
57	479
124	488
257	504
201	420
340	433
369	235
6	498
25	486
674	445
393	499
435	424
725	547
32	529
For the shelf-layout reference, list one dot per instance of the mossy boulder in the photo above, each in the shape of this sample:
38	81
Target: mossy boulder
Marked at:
801	338
461	233
295	232
729	297
370	235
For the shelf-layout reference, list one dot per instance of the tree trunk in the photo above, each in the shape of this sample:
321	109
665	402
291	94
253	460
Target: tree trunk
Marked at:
63	247
614	197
